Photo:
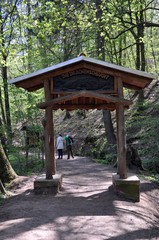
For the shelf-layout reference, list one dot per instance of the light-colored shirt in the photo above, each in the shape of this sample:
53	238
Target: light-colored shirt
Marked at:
60	143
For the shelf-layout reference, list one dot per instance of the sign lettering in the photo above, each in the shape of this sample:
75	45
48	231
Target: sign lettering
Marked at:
83	79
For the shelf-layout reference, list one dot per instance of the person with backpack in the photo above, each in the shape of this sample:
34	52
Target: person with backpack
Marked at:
69	142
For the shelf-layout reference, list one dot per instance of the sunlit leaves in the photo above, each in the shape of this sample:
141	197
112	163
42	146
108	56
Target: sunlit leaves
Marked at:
45	32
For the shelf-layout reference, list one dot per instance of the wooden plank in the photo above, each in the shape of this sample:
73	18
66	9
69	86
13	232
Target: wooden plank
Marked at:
73	96
121	134
132	79
82	60
83	79
49	136
71	107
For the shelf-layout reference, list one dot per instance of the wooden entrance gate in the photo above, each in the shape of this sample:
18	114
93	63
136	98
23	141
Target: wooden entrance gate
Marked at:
84	83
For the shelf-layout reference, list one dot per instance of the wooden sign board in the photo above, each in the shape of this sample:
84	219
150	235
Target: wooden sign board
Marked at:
83	79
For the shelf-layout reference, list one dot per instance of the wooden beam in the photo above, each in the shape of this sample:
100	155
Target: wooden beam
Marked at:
71	107
121	135
72	96
49	136
36	82
133	80
105	97
130	78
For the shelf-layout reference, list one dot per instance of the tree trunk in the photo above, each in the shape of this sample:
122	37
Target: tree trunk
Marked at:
67	115
2	108
6	98
111	138
140	53
6	171
2	188
3	138
100	41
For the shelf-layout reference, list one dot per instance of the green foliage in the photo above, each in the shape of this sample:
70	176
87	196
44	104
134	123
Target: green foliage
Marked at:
1	197
144	127
34	164
98	149
109	154
103	161
152	177
38	34
23	105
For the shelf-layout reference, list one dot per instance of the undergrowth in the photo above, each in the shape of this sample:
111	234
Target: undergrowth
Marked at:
90	139
144	126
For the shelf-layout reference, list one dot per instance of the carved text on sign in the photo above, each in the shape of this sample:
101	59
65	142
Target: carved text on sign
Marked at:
84	71
83	79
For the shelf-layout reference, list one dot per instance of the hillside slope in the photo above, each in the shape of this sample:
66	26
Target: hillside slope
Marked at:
142	128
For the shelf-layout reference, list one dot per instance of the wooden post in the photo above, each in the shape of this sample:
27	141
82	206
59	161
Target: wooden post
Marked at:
49	135
121	135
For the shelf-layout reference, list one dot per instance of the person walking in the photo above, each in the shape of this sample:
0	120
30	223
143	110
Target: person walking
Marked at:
69	141
60	146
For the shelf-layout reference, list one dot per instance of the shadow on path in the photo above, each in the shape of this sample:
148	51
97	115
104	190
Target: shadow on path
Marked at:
85	209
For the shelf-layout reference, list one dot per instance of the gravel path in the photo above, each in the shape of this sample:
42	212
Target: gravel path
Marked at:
86	208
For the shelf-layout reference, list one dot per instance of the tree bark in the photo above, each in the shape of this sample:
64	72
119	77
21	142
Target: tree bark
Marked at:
67	115
6	98
3	137
6	171
100	44
140	53
2	108
108	125
2	188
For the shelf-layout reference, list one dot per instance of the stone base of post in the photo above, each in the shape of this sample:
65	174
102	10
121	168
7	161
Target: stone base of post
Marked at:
129	187
48	186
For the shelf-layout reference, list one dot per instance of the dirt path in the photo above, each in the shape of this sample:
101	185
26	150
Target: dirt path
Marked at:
85	208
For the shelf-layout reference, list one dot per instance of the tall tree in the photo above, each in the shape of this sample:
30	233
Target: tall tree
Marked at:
133	17
6	171
8	15
101	55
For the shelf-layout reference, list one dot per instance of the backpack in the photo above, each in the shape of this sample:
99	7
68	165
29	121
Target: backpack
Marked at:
70	140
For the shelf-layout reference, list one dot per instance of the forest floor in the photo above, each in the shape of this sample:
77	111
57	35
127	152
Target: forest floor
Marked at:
86	208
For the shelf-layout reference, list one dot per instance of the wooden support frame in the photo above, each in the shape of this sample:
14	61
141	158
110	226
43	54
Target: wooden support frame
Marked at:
67	96
49	135
118	103
73	96
121	135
